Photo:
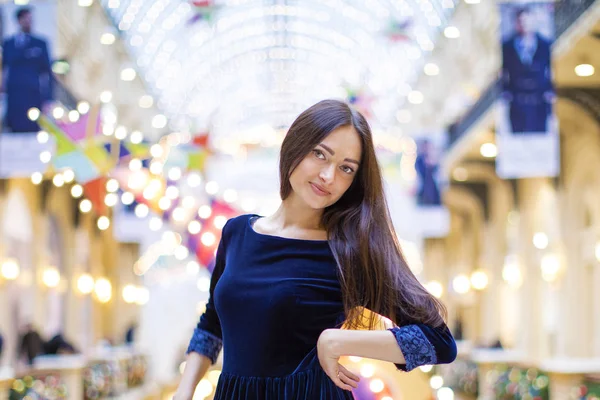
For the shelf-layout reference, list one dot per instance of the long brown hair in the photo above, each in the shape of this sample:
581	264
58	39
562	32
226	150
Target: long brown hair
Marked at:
373	272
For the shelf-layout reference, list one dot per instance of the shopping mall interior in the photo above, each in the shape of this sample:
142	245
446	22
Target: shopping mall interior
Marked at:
133	130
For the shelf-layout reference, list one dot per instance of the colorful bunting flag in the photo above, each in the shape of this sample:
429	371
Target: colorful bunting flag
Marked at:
95	191
398	31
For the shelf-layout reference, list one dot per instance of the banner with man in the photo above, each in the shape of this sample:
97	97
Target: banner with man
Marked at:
527	129
26	62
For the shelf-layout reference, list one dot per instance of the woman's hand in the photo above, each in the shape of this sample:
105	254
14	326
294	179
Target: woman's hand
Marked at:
329	360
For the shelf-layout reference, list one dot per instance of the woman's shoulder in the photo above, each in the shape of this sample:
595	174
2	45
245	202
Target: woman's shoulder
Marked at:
236	224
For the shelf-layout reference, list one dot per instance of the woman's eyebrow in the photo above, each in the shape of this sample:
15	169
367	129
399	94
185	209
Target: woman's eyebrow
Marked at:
330	150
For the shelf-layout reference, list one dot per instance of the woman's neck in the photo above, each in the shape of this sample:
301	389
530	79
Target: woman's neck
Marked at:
294	214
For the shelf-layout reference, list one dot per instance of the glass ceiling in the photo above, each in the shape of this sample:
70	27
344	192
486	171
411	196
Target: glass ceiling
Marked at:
258	63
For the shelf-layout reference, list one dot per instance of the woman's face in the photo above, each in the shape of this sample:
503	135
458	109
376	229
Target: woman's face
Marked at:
325	174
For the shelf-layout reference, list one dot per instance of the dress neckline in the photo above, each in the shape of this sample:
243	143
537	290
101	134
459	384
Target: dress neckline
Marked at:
254	217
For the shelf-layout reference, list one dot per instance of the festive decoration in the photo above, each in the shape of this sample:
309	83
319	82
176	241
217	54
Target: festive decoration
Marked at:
513	383
204	10
95	191
398	31
461	376
588	390
42	386
361	100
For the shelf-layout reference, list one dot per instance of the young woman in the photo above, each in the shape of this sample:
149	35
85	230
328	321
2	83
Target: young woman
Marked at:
284	285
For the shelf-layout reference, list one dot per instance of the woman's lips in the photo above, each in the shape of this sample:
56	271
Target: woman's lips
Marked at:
319	190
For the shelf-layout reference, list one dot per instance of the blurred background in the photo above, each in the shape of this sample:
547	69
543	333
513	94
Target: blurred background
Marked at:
132	130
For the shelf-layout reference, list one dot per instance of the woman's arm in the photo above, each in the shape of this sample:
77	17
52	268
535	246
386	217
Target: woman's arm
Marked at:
408	347
196	366
378	344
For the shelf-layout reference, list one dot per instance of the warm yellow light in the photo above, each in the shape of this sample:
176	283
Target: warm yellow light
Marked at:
219	221
85	284
550	266
174	174
58	112
479	280
83	107
33	114
208	239
376	386
45	157
128	74
192	267
73	116
58	180
367	370
36	178
213	376
451	32
172	192
43	137
431	69
164	204
156	151
112	185
181	253
107	38
355	359
511	273
488	150
445	393
141	210
103	290
436	382
212	187
51	277
461	284
136	137
204	211
585	70
540	240
194	227
68	175
103	223
143	296
10	269
127	198
426	368
111	199
204	389
130	294
194	179
135	164
203	284
85	206
435	288
106	96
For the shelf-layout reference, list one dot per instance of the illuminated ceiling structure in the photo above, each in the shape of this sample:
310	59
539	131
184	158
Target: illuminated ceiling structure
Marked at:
258	63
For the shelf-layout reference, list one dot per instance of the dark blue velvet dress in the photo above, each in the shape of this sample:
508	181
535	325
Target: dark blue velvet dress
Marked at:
270	299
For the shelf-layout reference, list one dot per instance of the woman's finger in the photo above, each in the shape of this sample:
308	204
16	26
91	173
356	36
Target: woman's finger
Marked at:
347	380
338	381
349	373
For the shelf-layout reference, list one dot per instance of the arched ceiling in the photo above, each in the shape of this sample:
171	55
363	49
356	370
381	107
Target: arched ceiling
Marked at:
258	63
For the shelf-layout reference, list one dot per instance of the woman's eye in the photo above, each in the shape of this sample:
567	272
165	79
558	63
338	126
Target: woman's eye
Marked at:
347	170
319	154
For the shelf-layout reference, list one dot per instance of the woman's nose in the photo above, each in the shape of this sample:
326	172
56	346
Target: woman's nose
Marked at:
327	173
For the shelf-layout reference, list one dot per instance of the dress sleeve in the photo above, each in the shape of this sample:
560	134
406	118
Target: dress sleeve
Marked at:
207	339
423	344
